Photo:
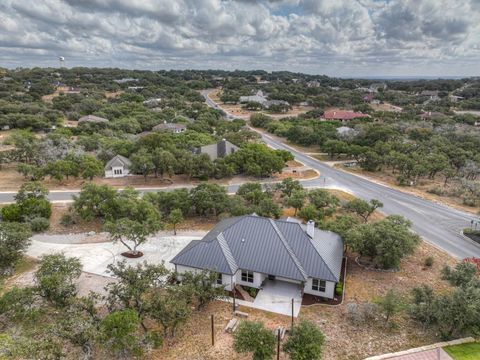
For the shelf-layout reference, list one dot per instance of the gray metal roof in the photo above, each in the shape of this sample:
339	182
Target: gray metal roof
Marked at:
118	160
267	246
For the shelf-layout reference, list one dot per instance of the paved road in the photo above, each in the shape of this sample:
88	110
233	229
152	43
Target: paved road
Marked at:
438	224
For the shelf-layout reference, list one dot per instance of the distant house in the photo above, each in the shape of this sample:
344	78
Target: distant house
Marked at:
69	89
343	115
431	115
92	119
455	98
125	80
257	252
170	127
118	166
218	150
431	94
368	98
313	84
259	97
269	103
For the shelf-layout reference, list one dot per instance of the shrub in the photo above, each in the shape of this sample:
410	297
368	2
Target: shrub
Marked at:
253	337
305	342
67	220
428	261
12	213
339	288
360	314
38	224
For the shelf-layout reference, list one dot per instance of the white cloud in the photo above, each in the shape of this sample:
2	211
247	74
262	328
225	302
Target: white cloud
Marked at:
340	37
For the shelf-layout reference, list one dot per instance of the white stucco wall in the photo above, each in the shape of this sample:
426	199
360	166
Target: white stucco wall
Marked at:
329	289
226	278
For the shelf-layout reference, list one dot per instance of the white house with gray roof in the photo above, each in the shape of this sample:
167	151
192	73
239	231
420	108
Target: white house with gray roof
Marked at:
118	166
252	250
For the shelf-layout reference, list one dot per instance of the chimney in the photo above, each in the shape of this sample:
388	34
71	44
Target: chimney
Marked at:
311	228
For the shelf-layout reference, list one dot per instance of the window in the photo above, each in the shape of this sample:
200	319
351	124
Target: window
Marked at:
219	279
247	276
319	285
117	171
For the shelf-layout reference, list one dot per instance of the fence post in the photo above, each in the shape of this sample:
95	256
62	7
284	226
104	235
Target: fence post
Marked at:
278	344
213	332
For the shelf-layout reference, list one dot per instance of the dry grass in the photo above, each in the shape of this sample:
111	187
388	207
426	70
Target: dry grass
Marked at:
344	340
420	190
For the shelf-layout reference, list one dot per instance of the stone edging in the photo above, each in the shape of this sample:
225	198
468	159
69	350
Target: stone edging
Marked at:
373	269
422	348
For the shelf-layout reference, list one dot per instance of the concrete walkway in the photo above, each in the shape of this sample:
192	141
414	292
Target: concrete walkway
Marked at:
276	296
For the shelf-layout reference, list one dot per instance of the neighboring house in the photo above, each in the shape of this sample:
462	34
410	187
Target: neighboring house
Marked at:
125	80
431	115
259	97
92	119
313	84
431	94
269	103
252	250
455	98
218	150
118	166
342	115
69	89
170	127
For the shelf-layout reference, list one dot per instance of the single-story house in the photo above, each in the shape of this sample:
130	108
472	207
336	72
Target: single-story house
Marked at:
431	115
252	250
343	115
218	150
118	166
170	127
92	119
259	97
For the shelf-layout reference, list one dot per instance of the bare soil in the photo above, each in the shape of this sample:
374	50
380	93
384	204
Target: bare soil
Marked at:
238	111
344	341
420	189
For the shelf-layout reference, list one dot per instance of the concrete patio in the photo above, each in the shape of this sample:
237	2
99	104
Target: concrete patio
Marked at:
276	296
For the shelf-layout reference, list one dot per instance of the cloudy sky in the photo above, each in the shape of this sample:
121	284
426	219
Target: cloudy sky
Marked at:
333	37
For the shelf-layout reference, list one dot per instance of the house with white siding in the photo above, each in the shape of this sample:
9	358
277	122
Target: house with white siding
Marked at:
253	251
118	166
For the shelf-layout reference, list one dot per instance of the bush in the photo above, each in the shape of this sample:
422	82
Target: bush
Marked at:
360	314
11	213
428	261
39	224
67	220
305	342
339	289
436	191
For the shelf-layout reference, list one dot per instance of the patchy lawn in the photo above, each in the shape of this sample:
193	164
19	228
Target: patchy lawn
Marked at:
464	351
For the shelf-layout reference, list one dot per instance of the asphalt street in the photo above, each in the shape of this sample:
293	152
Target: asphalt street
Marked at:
436	223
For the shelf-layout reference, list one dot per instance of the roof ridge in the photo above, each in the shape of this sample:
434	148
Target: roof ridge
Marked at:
227	252
311	242
289	249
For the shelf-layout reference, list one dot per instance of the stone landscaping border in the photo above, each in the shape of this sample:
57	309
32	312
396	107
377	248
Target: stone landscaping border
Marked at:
423	348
